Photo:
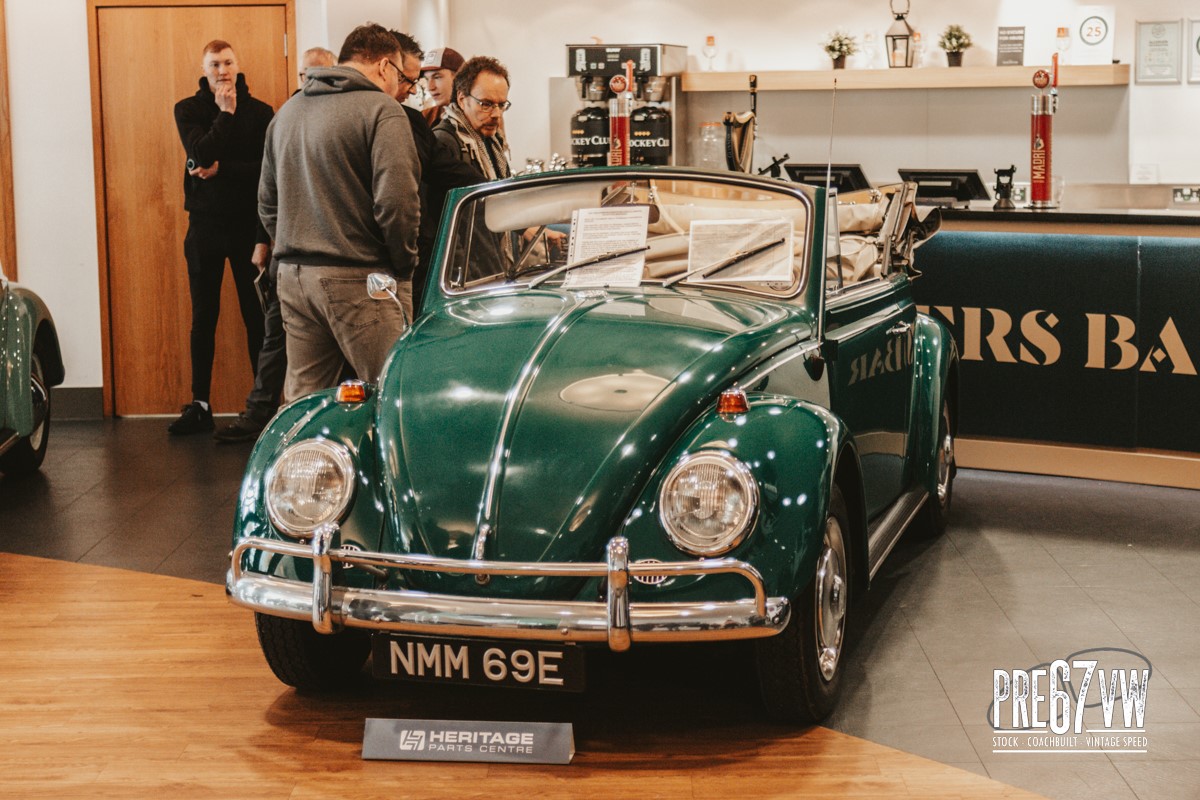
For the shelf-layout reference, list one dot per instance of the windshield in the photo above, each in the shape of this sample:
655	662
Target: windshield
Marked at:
596	231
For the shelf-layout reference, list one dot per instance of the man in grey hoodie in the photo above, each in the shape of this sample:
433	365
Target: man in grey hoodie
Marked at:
339	196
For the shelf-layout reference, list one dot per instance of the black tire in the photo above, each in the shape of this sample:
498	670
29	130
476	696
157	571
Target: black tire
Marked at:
307	660
27	454
800	669
936	511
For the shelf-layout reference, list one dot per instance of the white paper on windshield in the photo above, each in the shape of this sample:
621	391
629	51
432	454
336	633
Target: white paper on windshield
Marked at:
713	241
596	231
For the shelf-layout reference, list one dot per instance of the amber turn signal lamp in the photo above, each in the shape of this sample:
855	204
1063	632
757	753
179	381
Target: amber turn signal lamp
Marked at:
351	391
733	401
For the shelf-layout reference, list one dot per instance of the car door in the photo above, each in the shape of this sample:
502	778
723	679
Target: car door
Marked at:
869	347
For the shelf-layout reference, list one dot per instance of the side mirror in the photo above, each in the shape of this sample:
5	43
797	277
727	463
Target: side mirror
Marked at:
381	286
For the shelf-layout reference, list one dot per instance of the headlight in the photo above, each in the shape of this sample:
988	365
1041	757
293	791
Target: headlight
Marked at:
309	485
707	503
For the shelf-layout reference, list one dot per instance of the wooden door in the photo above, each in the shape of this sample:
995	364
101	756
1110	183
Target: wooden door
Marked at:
8	227
148	59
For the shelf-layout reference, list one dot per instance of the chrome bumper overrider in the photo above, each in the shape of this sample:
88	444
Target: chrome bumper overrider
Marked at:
616	621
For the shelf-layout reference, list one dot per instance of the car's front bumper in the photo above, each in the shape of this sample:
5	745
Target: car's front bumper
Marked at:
616	620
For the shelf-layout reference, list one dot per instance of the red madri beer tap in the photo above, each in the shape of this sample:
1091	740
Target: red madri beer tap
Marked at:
1041	138
619	109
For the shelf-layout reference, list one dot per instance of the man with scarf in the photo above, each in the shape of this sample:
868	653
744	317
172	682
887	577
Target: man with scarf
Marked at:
222	129
471	125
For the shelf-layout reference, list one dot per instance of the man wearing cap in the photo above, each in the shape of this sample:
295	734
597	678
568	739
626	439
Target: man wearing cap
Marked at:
441	168
439	68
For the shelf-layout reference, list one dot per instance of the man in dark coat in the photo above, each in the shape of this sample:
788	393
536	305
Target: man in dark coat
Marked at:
222	129
441	168
263	400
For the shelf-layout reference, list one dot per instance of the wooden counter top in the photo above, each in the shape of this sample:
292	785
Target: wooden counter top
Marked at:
1099	221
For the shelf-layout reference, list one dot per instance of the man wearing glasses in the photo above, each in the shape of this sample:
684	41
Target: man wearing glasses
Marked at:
471	124
339	195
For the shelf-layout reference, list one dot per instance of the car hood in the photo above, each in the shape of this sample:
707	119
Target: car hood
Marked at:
541	414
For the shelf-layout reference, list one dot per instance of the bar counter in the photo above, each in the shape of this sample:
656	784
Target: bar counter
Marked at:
1079	337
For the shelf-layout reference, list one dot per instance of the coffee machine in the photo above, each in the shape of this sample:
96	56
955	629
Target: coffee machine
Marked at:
649	102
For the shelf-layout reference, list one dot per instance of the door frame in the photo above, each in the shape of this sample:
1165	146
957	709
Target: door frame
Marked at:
8	221
93	23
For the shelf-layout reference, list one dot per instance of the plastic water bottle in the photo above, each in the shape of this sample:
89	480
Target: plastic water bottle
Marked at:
710	152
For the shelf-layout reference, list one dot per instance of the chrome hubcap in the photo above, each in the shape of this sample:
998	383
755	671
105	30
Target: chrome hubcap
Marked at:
830	606
41	403
945	466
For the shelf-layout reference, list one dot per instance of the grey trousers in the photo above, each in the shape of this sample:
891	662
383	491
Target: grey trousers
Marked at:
329	320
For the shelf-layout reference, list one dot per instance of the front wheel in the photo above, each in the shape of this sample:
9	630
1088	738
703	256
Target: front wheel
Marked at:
307	660
27	454
799	670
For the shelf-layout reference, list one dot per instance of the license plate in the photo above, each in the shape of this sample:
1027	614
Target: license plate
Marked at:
483	662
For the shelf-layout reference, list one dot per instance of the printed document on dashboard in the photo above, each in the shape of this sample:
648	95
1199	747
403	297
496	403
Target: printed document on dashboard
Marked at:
753	249
596	231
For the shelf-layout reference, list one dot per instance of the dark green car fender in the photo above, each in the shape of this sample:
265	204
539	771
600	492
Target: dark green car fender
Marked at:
935	379
795	451
316	416
28	328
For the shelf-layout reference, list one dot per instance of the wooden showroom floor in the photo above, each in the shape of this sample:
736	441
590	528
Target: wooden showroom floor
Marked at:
121	684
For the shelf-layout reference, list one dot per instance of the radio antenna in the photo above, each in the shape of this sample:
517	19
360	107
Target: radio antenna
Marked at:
832	118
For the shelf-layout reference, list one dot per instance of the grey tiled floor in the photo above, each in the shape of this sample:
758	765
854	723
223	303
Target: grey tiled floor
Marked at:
1032	569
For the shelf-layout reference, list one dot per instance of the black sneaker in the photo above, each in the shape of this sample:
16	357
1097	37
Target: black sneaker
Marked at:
242	429
194	419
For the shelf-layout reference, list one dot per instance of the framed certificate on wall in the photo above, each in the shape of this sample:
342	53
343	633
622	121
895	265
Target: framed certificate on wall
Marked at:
1194	51
1158	51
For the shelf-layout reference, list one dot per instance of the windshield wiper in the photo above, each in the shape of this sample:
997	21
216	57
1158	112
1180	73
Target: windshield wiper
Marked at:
587	262
517	270
737	258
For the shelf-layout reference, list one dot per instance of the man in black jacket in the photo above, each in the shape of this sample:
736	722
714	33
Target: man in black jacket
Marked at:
222	129
441	168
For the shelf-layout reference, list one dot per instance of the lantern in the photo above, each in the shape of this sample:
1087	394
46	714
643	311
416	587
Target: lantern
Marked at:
900	38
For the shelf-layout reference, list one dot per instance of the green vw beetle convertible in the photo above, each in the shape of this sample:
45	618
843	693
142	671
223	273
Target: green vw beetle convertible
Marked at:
641	405
30	363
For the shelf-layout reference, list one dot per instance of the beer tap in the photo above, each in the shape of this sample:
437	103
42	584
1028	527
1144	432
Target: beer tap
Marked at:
1041	138
619	109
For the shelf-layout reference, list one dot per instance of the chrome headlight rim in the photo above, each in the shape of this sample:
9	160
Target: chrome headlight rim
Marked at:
745	478
343	461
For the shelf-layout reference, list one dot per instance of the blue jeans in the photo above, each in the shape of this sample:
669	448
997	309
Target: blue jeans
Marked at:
329	320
